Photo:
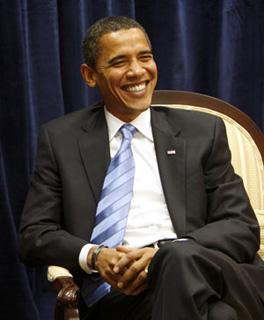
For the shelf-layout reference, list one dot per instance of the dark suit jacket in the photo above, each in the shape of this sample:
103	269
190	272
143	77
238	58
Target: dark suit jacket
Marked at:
205	199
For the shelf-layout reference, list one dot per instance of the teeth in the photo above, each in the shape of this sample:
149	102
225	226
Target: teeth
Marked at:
136	88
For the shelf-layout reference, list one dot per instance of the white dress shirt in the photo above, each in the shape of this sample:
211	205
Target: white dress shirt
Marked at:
148	219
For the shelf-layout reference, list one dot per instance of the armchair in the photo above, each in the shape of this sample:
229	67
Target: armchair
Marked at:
246	142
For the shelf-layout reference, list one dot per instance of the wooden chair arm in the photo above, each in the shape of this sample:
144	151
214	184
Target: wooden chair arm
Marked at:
67	299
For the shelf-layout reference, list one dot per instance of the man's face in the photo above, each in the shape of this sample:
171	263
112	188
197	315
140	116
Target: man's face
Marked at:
125	73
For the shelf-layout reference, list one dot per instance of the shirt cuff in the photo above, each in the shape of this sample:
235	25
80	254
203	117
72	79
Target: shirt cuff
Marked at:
83	258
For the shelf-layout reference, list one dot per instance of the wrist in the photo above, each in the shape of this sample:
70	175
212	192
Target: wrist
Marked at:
89	257
95	254
92	257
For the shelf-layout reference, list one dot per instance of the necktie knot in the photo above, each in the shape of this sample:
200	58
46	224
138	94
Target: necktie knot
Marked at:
128	131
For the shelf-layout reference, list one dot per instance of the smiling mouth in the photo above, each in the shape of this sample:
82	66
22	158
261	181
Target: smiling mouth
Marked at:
136	87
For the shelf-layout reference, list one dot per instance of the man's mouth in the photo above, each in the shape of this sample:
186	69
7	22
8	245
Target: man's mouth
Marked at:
135	87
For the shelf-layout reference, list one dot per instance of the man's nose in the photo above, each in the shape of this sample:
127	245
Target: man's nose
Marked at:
135	69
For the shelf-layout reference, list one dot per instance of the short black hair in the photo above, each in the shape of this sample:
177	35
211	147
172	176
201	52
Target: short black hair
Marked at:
101	27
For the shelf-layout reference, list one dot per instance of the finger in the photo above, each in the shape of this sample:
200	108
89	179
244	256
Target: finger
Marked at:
110	278
130	256
138	282
105	265
138	285
106	271
136	254
122	264
135	270
133	253
116	259
142	259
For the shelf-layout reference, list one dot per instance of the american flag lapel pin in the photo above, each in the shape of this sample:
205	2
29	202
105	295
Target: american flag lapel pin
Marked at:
171	152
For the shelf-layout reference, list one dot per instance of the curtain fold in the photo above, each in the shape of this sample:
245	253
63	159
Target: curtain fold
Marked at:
212	47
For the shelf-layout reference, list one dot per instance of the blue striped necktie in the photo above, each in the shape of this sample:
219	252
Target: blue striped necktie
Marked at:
112	209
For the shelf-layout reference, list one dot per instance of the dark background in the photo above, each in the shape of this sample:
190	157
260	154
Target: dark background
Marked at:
214	47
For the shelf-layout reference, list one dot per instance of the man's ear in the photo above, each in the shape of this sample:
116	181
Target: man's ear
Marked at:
88	75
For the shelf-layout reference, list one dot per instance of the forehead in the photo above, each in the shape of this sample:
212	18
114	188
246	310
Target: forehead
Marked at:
124	41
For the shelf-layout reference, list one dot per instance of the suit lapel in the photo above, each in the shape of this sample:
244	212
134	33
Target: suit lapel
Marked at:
170	151
94	149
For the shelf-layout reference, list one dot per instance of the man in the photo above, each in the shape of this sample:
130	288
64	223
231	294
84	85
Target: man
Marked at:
185	194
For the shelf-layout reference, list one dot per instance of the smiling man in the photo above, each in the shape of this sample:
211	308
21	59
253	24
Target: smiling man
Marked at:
147	233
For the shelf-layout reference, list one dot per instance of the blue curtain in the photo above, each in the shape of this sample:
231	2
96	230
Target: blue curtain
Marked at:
213	47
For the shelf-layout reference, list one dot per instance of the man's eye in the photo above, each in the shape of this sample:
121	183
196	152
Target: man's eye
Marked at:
118	64
146	57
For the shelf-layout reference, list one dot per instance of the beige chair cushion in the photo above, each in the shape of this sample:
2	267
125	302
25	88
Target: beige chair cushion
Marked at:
55	272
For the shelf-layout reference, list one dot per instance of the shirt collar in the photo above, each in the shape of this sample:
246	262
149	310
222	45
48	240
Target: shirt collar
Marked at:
142	124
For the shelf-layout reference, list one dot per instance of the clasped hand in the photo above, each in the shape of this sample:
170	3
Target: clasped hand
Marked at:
125	268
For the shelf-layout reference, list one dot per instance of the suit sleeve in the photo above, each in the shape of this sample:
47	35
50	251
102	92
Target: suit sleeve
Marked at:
42	239
231	225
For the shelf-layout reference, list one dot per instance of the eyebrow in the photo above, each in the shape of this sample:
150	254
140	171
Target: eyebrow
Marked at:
122	56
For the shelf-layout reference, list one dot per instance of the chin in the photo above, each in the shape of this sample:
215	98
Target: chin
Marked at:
139	105
136	109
